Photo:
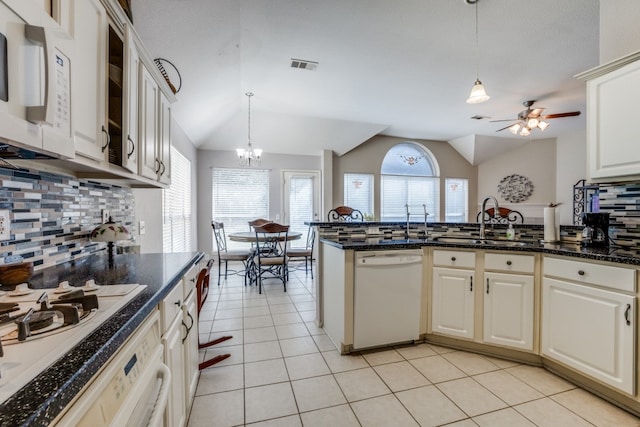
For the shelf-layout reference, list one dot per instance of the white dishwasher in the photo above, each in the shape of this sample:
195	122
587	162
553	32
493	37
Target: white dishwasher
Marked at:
387	297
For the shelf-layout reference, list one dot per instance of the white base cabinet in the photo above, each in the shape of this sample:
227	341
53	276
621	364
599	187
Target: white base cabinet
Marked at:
453	301
590	328
508	310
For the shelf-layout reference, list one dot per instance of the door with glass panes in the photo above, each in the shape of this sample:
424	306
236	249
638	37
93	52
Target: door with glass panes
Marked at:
301	201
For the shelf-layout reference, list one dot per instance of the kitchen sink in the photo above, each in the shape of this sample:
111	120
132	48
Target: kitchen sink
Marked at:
474	241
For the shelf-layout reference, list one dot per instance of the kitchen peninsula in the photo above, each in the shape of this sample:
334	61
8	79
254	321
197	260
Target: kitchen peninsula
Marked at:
48	396
568	308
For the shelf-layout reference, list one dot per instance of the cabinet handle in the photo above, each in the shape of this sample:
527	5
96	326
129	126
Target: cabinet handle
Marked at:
580	272
193	322
178	303
133	146
104	147
163	167
627	312
471	284
487	286
186	332
158	166
453	259
509	262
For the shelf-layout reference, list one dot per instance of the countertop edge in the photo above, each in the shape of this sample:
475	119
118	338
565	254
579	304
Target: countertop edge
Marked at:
552	249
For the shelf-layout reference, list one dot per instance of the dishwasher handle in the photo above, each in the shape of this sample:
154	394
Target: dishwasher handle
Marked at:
376	260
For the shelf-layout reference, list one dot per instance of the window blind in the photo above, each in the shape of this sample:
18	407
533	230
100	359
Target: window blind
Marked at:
398	191
358	192
300	206
176	201
456	200
239	196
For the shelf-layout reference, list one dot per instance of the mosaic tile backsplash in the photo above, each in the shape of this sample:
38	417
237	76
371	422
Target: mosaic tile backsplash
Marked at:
52	215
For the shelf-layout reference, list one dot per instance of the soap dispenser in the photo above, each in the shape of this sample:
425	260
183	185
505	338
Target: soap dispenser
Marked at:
511	233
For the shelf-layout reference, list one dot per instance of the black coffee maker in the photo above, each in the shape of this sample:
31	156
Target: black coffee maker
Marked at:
596	229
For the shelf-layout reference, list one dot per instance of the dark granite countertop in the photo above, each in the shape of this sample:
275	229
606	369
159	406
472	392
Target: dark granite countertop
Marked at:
611	254
40	401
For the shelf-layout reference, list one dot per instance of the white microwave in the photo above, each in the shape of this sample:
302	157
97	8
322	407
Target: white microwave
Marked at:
36	56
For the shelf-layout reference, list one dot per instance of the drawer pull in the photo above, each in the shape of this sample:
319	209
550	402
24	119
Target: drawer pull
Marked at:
453	259
627	312
509	262
581	272
471	284
487	286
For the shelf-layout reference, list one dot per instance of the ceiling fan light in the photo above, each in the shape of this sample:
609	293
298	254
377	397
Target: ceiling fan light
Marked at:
478	94
515	128
257	152
543	125
240	152
525	131
532	122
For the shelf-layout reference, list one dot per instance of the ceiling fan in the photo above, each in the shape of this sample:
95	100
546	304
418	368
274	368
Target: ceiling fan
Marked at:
532	118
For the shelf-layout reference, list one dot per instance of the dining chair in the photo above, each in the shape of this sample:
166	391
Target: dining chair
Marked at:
504	216
345	213
258	222
225	255
202	289
304	253
270	257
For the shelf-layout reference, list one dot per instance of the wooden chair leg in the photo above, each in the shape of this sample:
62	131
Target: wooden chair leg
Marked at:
213	361
216	341
216	359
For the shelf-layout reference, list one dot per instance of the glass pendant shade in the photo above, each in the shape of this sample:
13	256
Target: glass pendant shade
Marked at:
543	125
478	94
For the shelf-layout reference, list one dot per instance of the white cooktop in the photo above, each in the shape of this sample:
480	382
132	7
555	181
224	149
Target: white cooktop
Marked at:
24	361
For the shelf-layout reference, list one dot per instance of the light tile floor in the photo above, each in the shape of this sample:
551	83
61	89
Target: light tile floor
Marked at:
285	371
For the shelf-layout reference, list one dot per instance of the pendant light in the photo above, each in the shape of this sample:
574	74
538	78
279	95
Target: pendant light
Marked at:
249	156
478	94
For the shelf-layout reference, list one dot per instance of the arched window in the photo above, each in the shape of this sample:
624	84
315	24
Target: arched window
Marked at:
409	176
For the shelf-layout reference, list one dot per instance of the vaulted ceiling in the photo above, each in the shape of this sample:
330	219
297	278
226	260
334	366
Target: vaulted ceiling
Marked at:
401	68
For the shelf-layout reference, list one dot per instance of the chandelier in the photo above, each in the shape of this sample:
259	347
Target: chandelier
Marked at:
249	156
526	125
478	94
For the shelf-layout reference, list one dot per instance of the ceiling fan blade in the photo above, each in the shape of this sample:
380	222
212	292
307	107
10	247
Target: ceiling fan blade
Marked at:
560	115
506	127
505	120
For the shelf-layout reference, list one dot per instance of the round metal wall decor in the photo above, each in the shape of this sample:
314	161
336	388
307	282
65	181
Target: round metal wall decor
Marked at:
515	188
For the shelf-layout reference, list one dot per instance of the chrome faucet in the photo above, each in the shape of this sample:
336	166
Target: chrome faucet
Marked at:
408	214
484	208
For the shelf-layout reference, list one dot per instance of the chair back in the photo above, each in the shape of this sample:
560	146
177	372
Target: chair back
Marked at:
202	284
258	222
221	238
345	213
503	216
271	239
311	239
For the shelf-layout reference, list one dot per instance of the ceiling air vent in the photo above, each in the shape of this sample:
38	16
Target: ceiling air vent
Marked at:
303	64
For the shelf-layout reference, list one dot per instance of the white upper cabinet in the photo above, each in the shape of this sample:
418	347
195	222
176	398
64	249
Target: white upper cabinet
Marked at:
130	149
613	91
90	31
148	124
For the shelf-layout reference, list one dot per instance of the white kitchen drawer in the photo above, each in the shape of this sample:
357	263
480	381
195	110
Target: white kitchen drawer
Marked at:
171	306
190	279
509	262
459	259
619	278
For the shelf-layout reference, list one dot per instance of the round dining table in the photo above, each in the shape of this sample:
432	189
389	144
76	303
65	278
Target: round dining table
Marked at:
250	236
